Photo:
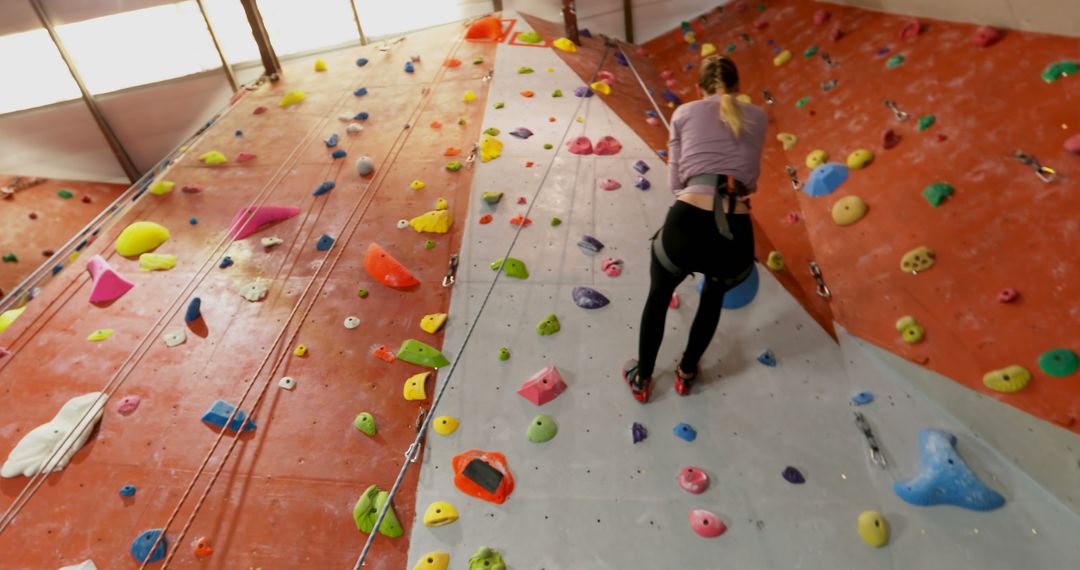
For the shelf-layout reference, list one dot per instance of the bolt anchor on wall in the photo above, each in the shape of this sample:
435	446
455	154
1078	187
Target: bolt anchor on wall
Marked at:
822	289
876	456
900	115
1045	173
794	175
451	272
768	97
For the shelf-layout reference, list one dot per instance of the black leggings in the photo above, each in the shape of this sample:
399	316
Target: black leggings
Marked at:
692	242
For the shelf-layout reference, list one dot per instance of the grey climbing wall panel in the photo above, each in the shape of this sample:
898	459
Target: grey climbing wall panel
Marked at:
590	498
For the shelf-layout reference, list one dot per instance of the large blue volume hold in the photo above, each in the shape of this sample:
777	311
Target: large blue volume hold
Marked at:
742	294
194	310
825	179
944	478
219	413
140	548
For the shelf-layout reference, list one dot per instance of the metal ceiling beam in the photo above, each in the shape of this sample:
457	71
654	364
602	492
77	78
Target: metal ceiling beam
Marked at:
628	17
117	148
569	13
271	65
217	45
356	18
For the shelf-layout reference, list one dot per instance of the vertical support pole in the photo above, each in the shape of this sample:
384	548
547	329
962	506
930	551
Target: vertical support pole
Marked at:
356	18
569	13
628	18
271	65
497	5
110	136
217	45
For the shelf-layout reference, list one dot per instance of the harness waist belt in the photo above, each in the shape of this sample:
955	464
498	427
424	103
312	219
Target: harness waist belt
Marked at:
704	179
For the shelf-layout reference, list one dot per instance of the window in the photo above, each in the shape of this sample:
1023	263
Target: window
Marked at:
33	71
296	27
382	17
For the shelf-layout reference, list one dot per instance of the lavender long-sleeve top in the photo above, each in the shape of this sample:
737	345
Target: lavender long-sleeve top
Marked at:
701	143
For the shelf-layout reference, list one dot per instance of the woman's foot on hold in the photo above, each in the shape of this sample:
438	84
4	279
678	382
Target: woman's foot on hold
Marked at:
639	386
683	381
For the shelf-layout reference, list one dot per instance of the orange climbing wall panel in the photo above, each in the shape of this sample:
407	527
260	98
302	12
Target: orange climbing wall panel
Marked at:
1002	228
284	499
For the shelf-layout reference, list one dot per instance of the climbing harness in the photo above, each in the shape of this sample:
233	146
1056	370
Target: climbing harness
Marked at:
794	175
451	272
876	456
822	288
900	115
1045	173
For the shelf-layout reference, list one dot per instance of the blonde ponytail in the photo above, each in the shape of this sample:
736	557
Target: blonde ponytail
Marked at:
730	114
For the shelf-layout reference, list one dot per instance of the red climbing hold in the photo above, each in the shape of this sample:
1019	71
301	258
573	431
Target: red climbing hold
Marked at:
942	138
382	267
435	125
890	139
259	111
486	219
821	16
607	145
258	217
484	475
529	164
1072	144
489	28
520	220
1008	295
836	34
383	352
521	200
986	36
452	63
761	23
911	30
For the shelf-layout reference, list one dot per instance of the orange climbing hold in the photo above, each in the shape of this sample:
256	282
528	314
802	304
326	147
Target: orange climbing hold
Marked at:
551	119
484	475
489	28
436	125
451	151
529	164
202	547
527	93
520	220
382	267
452	63
383	352
486	219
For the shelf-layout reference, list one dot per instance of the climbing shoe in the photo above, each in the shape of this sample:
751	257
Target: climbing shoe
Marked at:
683	382
639	387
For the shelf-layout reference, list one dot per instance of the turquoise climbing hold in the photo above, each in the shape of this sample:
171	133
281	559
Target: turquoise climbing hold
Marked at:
1059	362
937	192
894	61
802	102
944	478
420	354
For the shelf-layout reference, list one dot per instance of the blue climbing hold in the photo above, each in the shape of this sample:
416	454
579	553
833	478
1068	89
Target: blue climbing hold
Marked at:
140	548
194	310
642	183
325	243
225	262
409	67
620	58
219	413
324	188
127	491
360	92
193	220
362	116
339	153
638	432
361	62
685	432
57	268
651	114
767	358
662	152
742	294
332	141
671	97
825	179
239	133
585	33
862	398
688	67
944	478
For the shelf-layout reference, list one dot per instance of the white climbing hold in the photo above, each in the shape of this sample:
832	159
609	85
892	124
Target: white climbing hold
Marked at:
47	447
352	322
402	224
85	565
175	338
354	128
256	290
344	117
287	382
271	241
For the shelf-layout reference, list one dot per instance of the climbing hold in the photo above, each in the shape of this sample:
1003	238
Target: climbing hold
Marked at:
440	513
433	322
588	298
641	167
685	432
469	96
524	70
436	560
213	157
256	290
514	267
607	145
911	30
1059	362
916	260
287	383
527	93
642	183
161	187
529	38
332	141
944	478
10	257
351	322
409	67
580	145
872	528
320	65
140	547
128	404
816	158
889	139
487	558
1072	144
140	237
259	110
127	491
542	429
788	141
504	354
543	387
859	159
193	221
484	475
565	45
1007	295
420	354
366	513
324	188
362	116
926	121
548	326
444	425
300	350
793	475
767	358
257	217
194	311
894	61
802	102
325	243
601	87
825	179
499	105
693	480
937	192
490	148
364	166
638	432
583	91
1009	379
382	267
521	133
435	221
485	219
361	92
848	210
862	398
365	422
775	261
99	335
219	413
589	244
610	184
782	58
339	153
910	330
556	222
108	284
707	49
49	447
706	524
821	16
453	166
202	547
225	262
174	338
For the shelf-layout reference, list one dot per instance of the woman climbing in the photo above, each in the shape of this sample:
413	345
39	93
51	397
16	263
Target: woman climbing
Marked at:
714	160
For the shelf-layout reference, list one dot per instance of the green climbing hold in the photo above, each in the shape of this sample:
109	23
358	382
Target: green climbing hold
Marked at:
10	257
937	192
926	121
366	512
894	61
499	105
542	429
548	146
530	38
1056	71
548	326
802	102
1059	362
478	61
810	52
365	422
514	267
524	70
420	354
65	194
362	293
486	559
557	93
491	131
504	354
556	222
453	166
730	48
429	244
492	197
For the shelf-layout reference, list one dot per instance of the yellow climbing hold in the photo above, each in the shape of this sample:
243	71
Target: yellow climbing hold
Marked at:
435	221
859	159
782	58
816	158
8	317
490	148
301	350
910	330
566	45
440	513
551	70
469	96
707	49
140	237
775	261
156	261
292	98
433	322
417	184
1009	379
320	65
437	560
788	140
441	204
213	157
690	37
873	529
580	119
444	425
100	335
744	98
601	87
848	210
916	260
414	387
161	187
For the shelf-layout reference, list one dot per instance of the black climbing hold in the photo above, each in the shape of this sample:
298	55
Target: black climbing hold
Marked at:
793	476
479	472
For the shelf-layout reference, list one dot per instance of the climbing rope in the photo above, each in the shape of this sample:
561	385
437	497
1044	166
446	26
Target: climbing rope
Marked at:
646	91
413	450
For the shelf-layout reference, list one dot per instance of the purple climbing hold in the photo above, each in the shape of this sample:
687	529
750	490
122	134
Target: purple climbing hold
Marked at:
194	310
521	133
332	141
324	188
590	244
641	167
688	67
671	97
638	432
587	298
225	262
360	92
583	91
621	58
882	51
339	153
793	476
642	183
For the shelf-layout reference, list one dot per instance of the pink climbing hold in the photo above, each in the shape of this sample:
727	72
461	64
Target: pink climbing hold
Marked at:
1008	295
641	51
792	218
821	16
652	121
611	267
666	74
986	36
674	304
693	480
245	156
610	184
543	387
607	145
706	524
128	404
1072	144
607	77
911	30
671	84
108	284
580	145
260	217
836	34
